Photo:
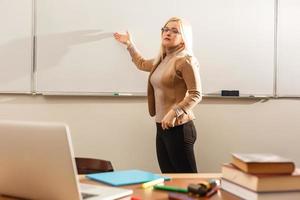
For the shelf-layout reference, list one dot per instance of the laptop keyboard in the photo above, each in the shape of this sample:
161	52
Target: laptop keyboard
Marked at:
87	196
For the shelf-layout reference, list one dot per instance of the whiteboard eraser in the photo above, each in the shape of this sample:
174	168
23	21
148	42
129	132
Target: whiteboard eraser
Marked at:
234	93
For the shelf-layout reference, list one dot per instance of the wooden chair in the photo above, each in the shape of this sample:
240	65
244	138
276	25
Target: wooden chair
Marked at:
91	165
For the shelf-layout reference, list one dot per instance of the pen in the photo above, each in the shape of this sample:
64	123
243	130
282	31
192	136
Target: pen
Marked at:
170	188
152	183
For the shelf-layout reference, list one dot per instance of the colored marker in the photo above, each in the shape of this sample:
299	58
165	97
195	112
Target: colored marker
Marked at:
177	196
213	191
125	94
152	183
135	198
122	94
170	188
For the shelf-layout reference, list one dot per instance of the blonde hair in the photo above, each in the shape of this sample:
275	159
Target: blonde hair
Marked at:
187	37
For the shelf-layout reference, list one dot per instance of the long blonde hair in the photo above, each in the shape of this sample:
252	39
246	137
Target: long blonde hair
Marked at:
187	37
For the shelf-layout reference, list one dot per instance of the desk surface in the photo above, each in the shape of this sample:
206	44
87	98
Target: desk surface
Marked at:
180	180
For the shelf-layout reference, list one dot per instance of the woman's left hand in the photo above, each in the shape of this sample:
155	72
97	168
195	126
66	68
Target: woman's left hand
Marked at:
169	120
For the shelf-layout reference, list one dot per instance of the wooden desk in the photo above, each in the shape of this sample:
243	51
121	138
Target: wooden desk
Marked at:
180	180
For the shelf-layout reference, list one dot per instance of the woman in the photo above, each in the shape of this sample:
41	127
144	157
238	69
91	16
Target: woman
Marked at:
174	88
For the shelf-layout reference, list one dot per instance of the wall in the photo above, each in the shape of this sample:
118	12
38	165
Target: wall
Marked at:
120	130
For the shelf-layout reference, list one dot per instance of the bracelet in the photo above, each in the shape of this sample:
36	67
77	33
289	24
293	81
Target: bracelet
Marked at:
128	43
177	111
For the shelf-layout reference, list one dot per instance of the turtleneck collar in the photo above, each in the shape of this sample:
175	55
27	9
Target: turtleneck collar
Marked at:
174	49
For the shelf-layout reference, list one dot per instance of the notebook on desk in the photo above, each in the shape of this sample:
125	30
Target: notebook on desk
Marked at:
37	162
125	177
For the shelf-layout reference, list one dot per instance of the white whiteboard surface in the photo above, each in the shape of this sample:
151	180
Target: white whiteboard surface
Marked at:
16	46
77	53
233	41
288	83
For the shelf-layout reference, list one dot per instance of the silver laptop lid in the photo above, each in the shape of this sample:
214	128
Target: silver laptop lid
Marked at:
37	161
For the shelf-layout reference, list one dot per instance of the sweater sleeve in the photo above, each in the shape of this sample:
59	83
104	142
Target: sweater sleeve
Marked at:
138	60
188	69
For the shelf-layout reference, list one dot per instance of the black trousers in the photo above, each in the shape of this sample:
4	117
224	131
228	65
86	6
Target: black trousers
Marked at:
175	148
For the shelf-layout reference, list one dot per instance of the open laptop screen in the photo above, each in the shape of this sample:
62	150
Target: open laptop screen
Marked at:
37	161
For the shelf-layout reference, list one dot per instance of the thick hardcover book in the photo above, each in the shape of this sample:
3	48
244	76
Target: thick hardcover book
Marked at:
244	193
262	182
263	163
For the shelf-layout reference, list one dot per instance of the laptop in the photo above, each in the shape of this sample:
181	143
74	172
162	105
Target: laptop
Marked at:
37	162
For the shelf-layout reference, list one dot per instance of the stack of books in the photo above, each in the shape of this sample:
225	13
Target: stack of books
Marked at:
261	177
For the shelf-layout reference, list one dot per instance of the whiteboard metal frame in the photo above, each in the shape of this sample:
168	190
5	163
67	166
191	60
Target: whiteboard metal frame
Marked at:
275	82
115	94
33	65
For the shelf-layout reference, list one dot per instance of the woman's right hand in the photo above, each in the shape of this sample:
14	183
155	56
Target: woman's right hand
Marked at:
123	38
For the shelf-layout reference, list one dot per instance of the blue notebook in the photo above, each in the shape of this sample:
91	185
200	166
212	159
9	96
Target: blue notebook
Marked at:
125	177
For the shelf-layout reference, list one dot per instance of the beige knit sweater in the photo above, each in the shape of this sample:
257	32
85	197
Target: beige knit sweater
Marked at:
176	83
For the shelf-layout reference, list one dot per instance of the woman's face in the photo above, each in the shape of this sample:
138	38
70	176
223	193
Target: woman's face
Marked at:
171	35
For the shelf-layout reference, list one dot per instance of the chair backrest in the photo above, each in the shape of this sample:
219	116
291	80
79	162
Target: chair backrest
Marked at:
91	165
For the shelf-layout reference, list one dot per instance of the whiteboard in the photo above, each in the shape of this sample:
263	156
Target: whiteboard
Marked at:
16	46
76	52
233	41
288	83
